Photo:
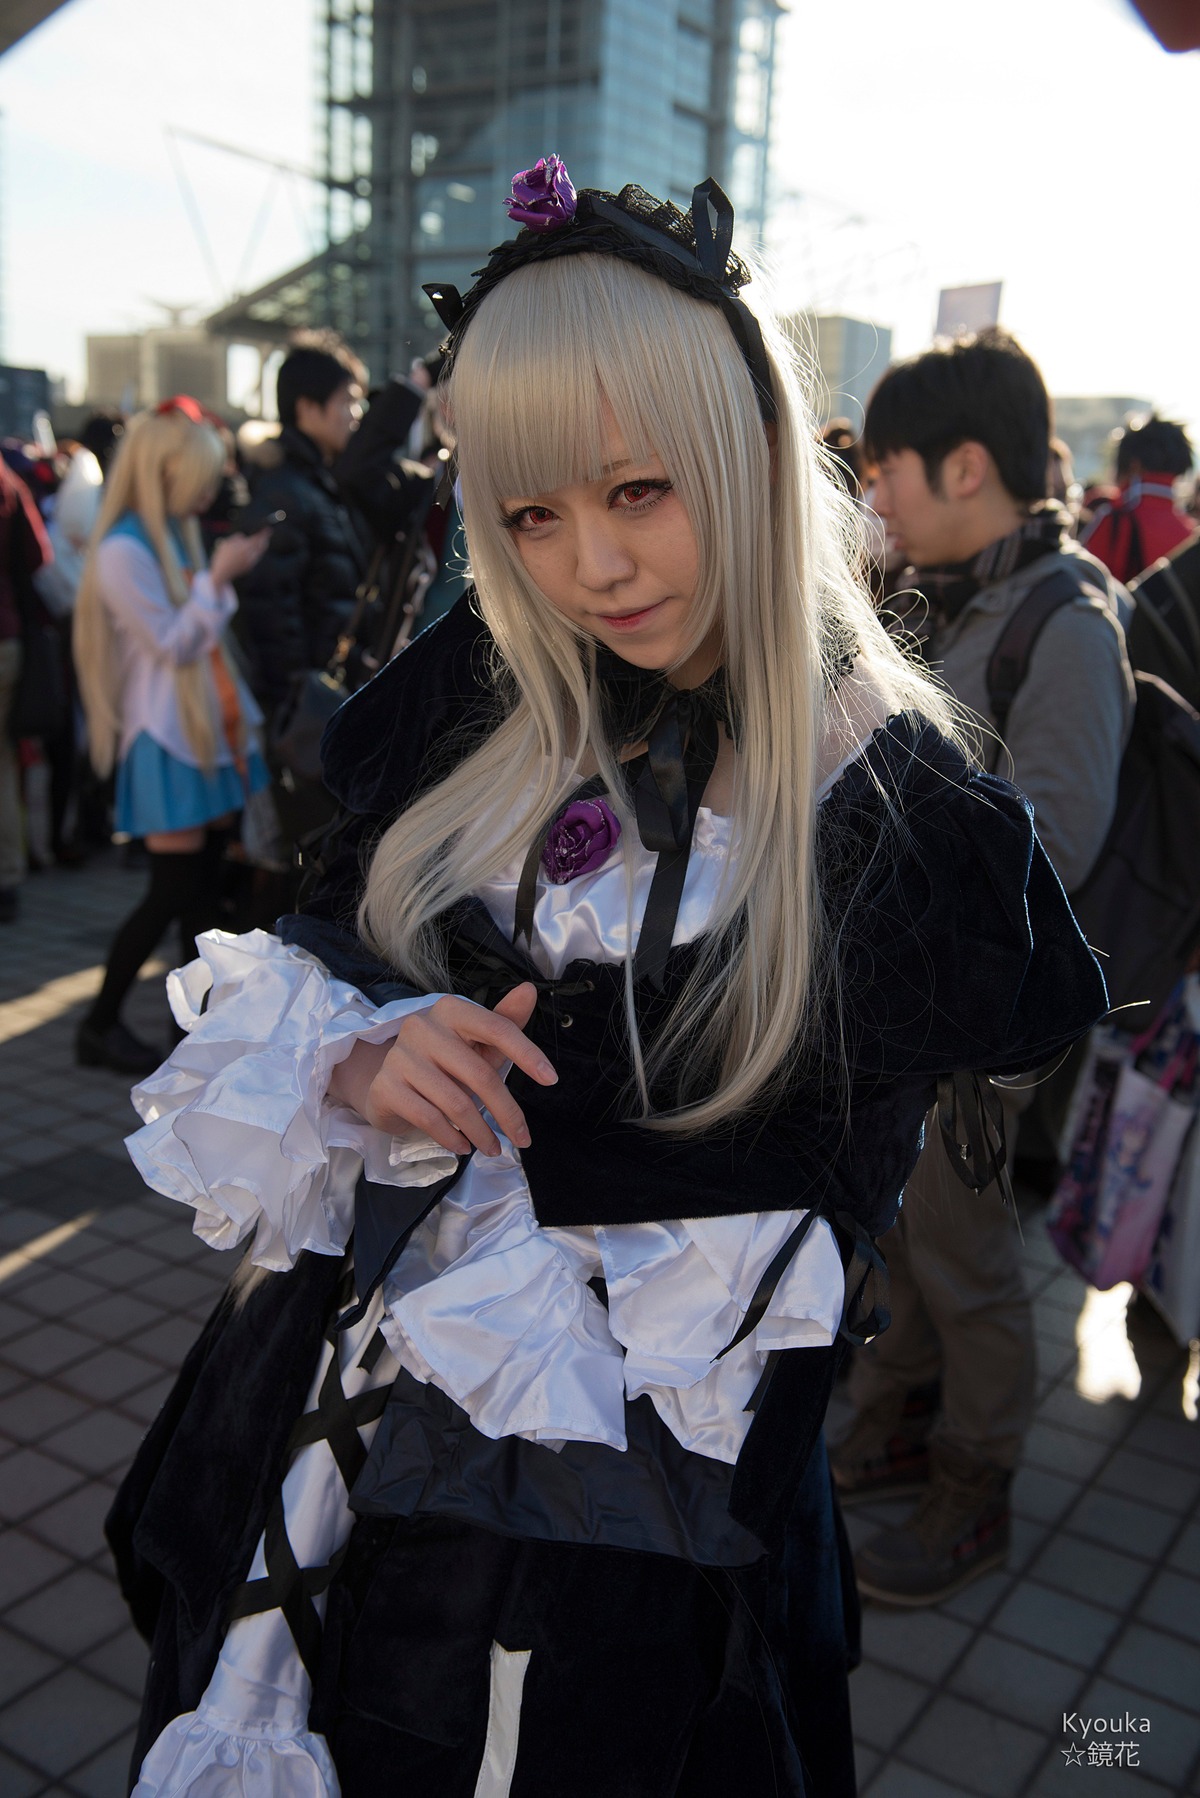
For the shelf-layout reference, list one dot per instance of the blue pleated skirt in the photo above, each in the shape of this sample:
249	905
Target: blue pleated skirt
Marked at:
156	791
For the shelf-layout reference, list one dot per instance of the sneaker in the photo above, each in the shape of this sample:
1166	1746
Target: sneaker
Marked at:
10	905
959	1530
885	1455
116	1048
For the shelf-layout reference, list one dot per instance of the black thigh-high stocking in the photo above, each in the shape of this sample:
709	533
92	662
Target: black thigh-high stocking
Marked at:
204	909
179	888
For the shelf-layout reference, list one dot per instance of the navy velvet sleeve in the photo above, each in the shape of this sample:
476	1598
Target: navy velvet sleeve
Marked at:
957	945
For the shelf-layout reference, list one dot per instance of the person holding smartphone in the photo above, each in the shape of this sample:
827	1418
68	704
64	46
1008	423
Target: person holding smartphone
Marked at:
164	703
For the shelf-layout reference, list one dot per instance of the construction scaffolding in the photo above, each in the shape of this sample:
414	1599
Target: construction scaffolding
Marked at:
428	106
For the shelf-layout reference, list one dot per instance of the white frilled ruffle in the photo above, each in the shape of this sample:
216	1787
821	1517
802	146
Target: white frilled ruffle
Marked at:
207	1759
249	1735
496	1311
484	1303
236	1123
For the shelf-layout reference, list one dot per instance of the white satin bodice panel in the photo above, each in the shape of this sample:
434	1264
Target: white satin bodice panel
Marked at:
587	919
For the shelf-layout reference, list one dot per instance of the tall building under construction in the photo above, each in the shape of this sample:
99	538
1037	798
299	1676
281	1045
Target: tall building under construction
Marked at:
429	106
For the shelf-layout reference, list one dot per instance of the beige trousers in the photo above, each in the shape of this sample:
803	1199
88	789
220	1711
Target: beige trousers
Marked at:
960	1312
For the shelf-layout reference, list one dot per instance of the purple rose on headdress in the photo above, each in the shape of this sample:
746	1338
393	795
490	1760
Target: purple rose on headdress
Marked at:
543	197
580	840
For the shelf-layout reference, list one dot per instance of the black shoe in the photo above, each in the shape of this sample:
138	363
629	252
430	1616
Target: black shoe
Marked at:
116	1048
10	905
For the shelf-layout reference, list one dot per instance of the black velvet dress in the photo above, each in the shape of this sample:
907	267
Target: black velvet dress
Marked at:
689	1624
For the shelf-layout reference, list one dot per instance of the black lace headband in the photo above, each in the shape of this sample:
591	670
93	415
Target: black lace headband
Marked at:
692	251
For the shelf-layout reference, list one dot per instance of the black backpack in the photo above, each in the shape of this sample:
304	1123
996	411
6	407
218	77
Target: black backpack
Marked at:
1140	905
1164	635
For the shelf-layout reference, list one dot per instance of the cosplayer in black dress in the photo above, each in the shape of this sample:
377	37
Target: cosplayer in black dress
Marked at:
556	1517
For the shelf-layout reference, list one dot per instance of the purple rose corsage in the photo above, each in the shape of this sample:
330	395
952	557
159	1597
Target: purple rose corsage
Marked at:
580	840
543	197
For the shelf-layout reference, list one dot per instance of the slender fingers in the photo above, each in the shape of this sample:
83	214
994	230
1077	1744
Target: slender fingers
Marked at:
496	1032
458	1109
443	1098
429	1100
445	1064
472	1069
408	1109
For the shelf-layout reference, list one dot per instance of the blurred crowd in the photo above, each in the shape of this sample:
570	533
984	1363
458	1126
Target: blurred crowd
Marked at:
1066	622
1149	507
359	545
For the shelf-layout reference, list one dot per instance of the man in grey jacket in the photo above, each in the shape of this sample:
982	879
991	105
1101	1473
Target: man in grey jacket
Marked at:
958	438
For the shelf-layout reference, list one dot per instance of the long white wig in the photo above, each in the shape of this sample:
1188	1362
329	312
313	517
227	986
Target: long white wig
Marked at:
549	349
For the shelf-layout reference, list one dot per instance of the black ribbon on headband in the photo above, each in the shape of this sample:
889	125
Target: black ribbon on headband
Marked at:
692	251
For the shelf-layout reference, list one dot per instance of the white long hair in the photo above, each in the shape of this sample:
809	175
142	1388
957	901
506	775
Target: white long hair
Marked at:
780	575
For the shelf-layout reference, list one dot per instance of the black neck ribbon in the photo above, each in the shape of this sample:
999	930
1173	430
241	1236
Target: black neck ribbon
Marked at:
682	730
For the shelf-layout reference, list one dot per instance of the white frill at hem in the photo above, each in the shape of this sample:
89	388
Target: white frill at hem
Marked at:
235	1121
204	1756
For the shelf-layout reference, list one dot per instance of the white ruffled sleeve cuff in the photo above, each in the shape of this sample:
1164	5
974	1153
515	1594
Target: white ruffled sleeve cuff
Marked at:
236	1122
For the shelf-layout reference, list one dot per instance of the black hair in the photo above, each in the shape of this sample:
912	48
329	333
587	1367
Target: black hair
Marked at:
101	432
981	389
317	364
1158	445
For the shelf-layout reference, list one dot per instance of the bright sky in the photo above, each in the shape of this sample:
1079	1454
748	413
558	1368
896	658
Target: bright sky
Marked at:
1048	143
94	225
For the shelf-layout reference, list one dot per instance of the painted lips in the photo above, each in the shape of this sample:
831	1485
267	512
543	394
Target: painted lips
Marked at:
629	621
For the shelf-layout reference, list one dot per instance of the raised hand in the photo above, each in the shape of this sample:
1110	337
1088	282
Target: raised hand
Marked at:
444	1064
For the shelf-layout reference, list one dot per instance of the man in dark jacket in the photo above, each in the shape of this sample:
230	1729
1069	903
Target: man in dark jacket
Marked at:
342	491
296	601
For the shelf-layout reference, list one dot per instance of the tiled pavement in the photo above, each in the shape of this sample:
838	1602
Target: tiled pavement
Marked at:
102	1287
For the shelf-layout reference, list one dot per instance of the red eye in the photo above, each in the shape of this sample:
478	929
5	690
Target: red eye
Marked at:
635	496
528	518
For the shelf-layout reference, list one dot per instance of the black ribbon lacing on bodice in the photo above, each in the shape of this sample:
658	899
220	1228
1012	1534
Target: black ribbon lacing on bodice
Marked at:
682	730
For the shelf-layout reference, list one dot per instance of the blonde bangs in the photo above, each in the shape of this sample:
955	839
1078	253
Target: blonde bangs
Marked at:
550	350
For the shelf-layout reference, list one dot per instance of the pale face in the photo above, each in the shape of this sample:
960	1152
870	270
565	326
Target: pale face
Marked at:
331	426
617	557
921	525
